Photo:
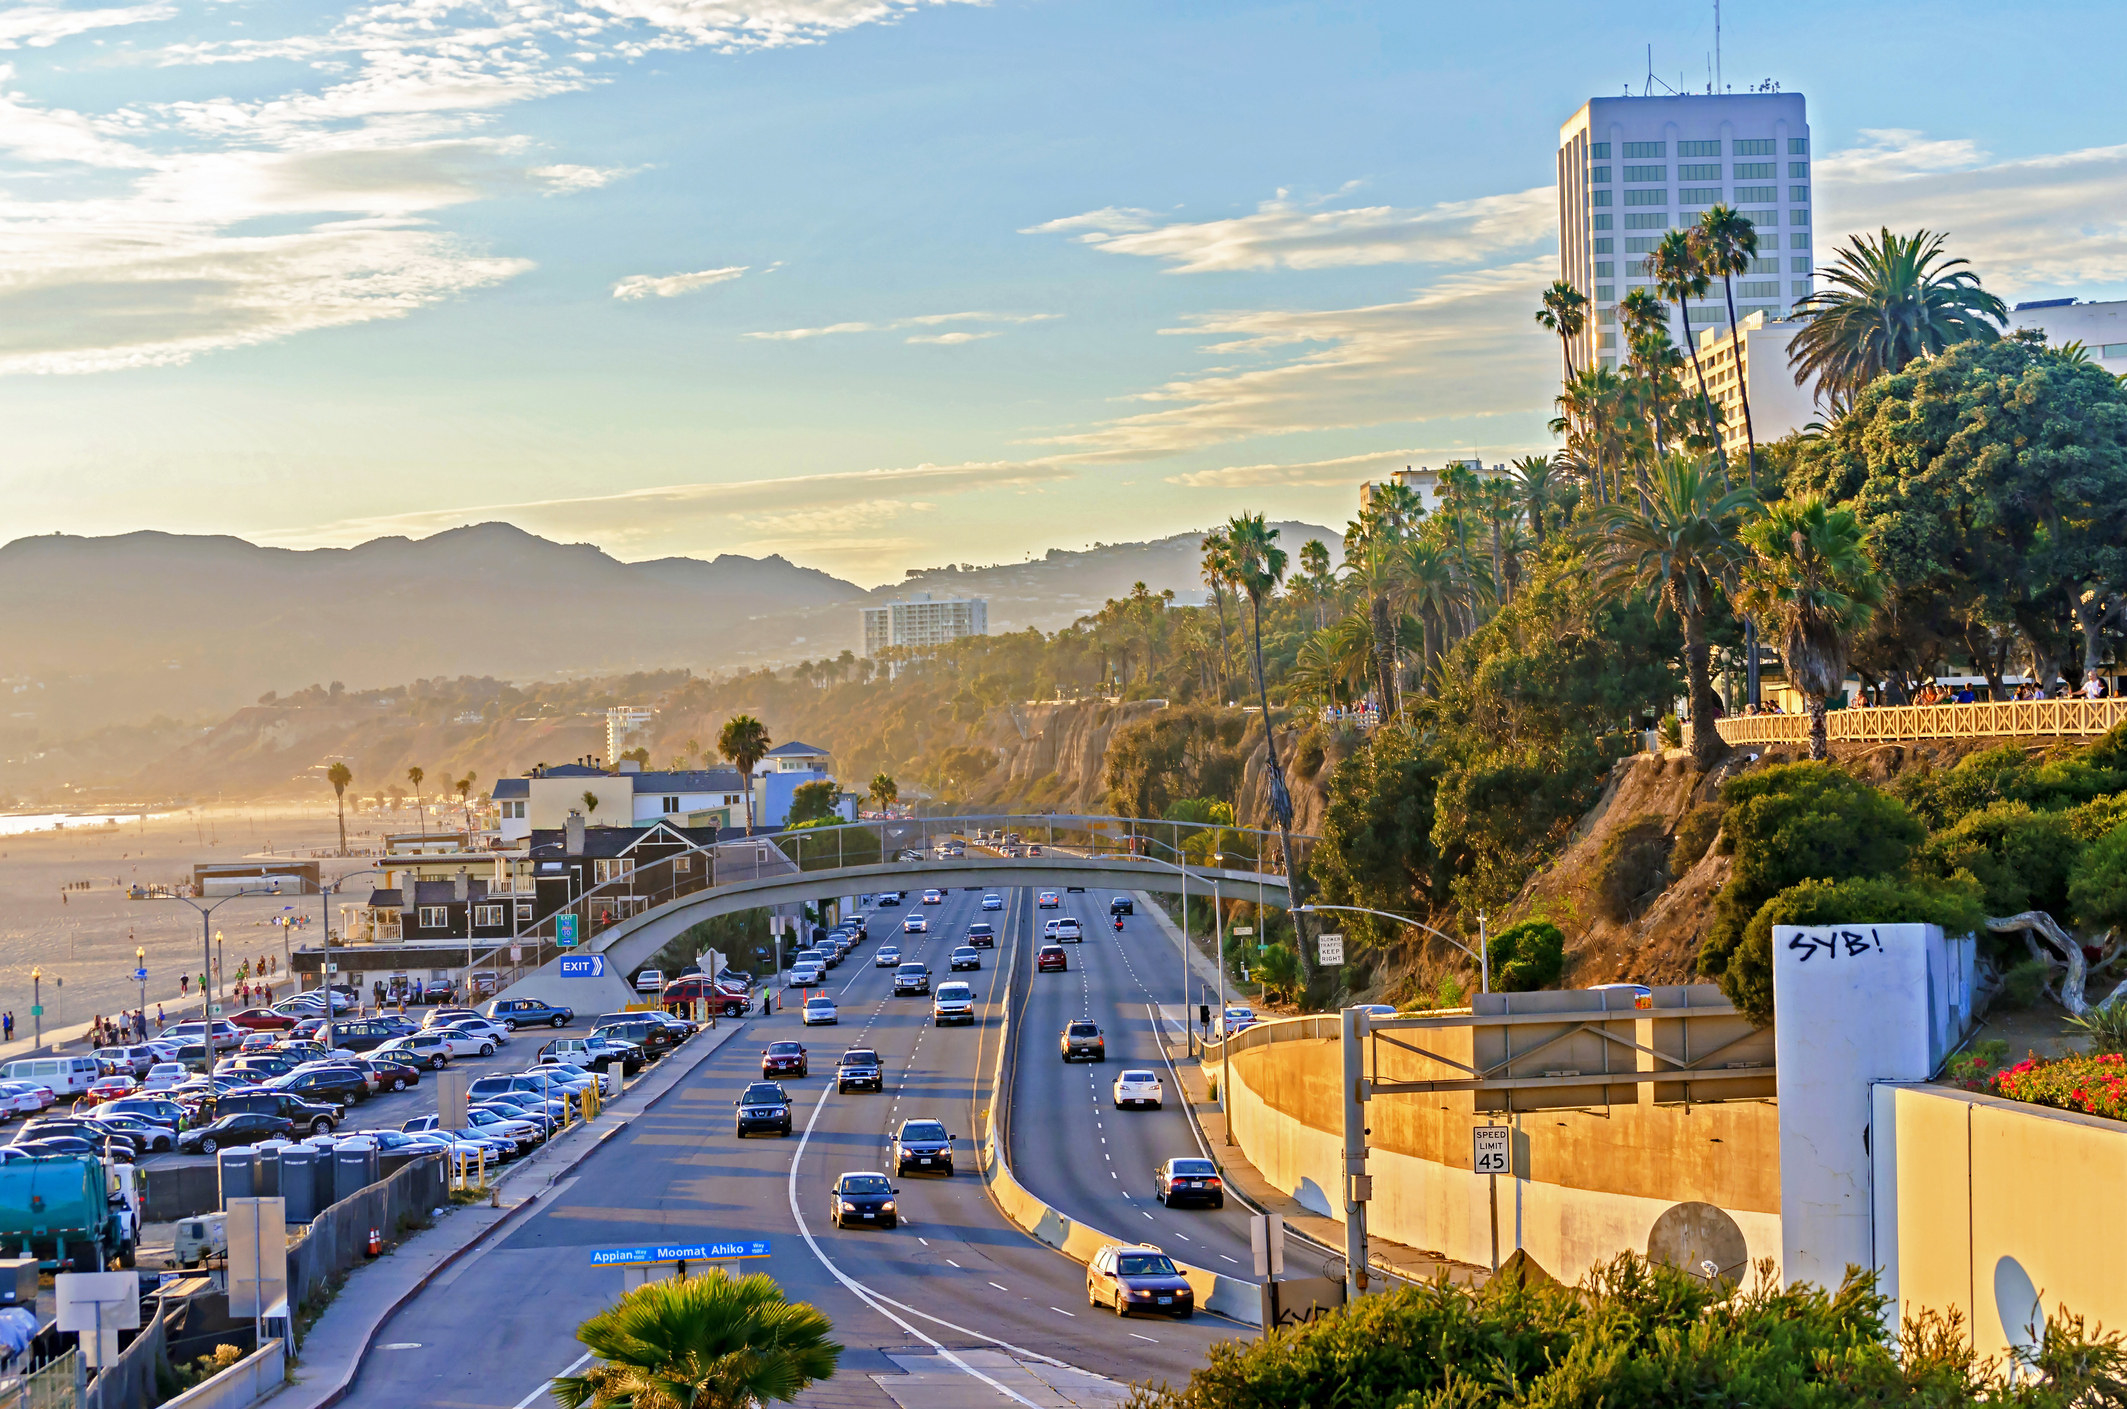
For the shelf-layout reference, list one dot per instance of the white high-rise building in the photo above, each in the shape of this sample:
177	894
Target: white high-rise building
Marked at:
627	728
922	620
1632	169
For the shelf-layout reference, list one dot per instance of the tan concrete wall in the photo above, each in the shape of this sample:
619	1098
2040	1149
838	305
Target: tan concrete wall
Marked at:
1997	1201
1592	1181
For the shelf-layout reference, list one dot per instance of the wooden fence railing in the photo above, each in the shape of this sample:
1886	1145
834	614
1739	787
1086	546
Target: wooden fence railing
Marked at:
2009	719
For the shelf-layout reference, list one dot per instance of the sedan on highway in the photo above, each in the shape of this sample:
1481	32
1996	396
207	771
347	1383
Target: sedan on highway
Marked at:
804	975
1068	931
1051	959
1189	1180
1137	1088
889	898
981	936
915	924
863	1199
820	1011
784	1058
1122	905
763	1105
966	957
911	978
924	1145
887	957
859	1070
993	902
1048	900
934	897
1138	1277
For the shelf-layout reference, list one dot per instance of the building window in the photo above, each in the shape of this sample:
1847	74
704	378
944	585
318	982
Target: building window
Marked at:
524	912
613	870
1606	293
487	917
1646	173
1599	151
1764	266
1765	194
1800	288
1604	268
1798	217
1799	264
1598	222
432	917
1600	175
1757	170
671	804
1699	149
1598	198
1603	245
684	862
1606	315
1754	147
1640	244
1798	194
1798	170
1798	146
1698	173
1768	288
1798	242
1658	220
1605	341
2113	349
1699	195
1652	196
1645	149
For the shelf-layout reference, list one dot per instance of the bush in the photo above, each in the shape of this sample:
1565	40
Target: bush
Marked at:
2025	983
2093	1085
1672	730
2020	858
2008	774
1866	900
1527	956
1695	832
1633	865
2105	1026
2097	890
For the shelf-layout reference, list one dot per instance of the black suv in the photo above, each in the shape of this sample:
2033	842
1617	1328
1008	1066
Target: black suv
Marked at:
341	1085
655	1038
923	1144
514	1013
314	1116
859	1070
763	1106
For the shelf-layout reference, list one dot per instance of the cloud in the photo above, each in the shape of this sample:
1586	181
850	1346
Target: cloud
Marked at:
41	26
1344	472
922	320
640	286
1282	234
949	339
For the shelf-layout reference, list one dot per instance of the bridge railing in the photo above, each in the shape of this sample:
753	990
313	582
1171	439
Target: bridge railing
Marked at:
2005	719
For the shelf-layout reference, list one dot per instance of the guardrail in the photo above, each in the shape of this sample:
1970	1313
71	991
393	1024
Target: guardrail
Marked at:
2006	719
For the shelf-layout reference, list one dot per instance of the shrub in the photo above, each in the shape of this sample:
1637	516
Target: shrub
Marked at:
1527	956
2023	984
1633	864
2105	1026
1976	1067
2097	890
1695	832
1307	758
2020	858
1672	729
2009	774
2094	1085
1865	900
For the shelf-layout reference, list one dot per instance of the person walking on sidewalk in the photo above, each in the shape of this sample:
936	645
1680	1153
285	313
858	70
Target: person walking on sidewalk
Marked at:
7	1021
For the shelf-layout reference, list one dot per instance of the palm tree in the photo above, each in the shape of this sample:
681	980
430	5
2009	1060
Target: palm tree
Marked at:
884	791
1314	559
744	741
1728	245
1564	312
1335	662
1430	589
339	776
464	788
1535	490
1812	580
1679	274
1370	564
1501	508
1258	568
1218	576
414	775
1682	548
711	1342
1889	301
1646	326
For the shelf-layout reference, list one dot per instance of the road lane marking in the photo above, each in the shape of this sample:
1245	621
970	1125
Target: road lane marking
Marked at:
1136	1337
1000	1286
1234	1260
542	1392
1061	1312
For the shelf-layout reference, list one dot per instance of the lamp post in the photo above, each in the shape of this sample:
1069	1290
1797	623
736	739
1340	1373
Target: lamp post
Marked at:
1218	924
1484	964
140	971
37	1005
207	936
325	895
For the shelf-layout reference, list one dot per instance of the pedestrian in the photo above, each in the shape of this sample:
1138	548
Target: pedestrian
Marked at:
7	1022
159	1023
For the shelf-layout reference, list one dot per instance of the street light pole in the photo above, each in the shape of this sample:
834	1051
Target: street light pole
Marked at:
1484	963
206	938
37	1005
140	971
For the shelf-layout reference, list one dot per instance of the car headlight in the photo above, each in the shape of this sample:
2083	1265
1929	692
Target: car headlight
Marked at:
848	1207
887	1207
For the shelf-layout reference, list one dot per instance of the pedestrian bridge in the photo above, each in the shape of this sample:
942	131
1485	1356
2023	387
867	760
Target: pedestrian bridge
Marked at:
631	917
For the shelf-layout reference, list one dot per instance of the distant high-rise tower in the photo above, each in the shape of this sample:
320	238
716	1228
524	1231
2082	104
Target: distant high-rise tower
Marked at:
1631	169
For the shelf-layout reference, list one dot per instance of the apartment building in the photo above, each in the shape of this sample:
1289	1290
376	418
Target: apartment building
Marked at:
627	728
1632	169
2100	327
1753	360
923	620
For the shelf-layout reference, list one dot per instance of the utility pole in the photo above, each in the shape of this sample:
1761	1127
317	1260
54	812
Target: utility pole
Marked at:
1358	1184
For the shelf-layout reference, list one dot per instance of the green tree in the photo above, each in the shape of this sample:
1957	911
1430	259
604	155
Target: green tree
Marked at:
414	775
2021	859
1535	484
710	1342
1679	273
812	802
1680	550
1728	245
1857	900
1258	568
1527	956
2097	890
884	791
1217	565
1372	567
1884	303
744	742
340	776
1564	312
1376	847
1810	578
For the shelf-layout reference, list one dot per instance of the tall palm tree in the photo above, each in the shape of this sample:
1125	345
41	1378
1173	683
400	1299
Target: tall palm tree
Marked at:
1888	301
1314	558
1370	565
464	788
1258	568
1645	322
339	776
1728	245
1683	549
1564	312
744	742
884	790
1501	508
1535	490
1812	580
1217	564
1592	406
1679	274
1395	506
1335	663
1430	589
414	775
711	1342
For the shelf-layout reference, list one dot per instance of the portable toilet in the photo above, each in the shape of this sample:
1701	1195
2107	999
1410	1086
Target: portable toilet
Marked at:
267	1177
238	1169
299	1182
355	1166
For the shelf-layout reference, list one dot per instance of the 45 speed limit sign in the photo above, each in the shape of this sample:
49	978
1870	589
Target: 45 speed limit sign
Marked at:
1490	1152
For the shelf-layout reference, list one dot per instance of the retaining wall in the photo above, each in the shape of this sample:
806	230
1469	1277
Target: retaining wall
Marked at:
246	1382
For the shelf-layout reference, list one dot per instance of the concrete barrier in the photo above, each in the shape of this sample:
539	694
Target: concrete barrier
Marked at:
245	1383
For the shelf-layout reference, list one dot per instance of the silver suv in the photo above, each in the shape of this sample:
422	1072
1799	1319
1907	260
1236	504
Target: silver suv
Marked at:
911	978
955	1003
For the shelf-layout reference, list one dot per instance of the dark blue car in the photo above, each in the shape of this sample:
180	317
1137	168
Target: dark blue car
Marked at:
514	1013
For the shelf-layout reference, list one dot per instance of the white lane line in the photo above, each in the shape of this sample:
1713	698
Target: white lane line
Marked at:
956	1264
544	1390
1000	1286
1136	1337
1146	1214
1234	1260
1061	1312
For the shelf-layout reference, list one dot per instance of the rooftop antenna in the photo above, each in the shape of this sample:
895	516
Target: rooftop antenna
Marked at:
1717	45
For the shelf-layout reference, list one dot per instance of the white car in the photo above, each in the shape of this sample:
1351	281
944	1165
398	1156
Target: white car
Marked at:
1048	900
887	958
934	897
1137	1088
481	1028
1236	1018
649	981
1067	931
915	924
23	1098
993	902
166	1076
820	1010
803	975
434	1048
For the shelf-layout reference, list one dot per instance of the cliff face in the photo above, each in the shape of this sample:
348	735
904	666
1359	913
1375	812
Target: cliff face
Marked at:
1053	756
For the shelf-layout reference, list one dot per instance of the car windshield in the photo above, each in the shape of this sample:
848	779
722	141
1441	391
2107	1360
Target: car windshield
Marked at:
1145	1264
923	1130
865	1184
1056	949
784	1049
1193	1166
953	990
912	968
1139	1076
819	1000
759	1091
860	1059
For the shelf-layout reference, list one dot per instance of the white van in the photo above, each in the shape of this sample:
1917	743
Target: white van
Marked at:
64	1076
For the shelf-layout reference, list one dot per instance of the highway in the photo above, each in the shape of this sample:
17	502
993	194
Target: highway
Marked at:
955	1277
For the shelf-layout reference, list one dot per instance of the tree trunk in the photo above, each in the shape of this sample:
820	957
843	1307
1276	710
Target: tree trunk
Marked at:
1820	737
1707	746
339	804
1750	435
1505	584
1720	447
1384	654
1225	676
2060	947
1280	800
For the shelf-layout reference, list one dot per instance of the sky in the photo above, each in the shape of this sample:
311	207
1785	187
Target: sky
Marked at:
884	284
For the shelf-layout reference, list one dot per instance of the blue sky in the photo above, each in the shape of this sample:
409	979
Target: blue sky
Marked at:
878	284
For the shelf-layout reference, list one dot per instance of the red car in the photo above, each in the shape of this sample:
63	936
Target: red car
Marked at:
263	1020
1051	957
783	1058
730	999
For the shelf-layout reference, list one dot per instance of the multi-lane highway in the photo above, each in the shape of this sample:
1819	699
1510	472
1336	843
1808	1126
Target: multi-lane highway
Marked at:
955	1277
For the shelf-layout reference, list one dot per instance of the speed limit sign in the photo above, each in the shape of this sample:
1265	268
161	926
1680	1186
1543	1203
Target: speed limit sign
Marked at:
1489	1151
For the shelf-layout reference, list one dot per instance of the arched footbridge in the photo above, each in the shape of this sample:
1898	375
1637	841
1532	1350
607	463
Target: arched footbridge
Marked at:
666	885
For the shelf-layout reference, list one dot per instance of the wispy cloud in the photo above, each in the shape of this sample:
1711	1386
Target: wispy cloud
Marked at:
41	26
638	286
922	320
1343	472
949	339
1285	234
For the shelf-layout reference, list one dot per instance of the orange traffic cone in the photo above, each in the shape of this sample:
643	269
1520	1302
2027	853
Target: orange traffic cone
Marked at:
376	1242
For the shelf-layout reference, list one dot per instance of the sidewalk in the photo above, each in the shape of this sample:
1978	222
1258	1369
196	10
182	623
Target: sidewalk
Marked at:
326	1363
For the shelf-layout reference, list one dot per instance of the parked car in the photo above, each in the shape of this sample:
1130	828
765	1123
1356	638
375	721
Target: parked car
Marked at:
595	1052
126	1060
339	1085
649	981
263	1020
514	1013
224	1035
305	1113
386	1073
654	1033
164	1075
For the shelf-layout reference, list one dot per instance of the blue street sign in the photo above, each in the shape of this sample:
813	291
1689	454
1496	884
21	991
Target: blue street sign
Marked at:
583	966
677	1252
565	931
141	974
